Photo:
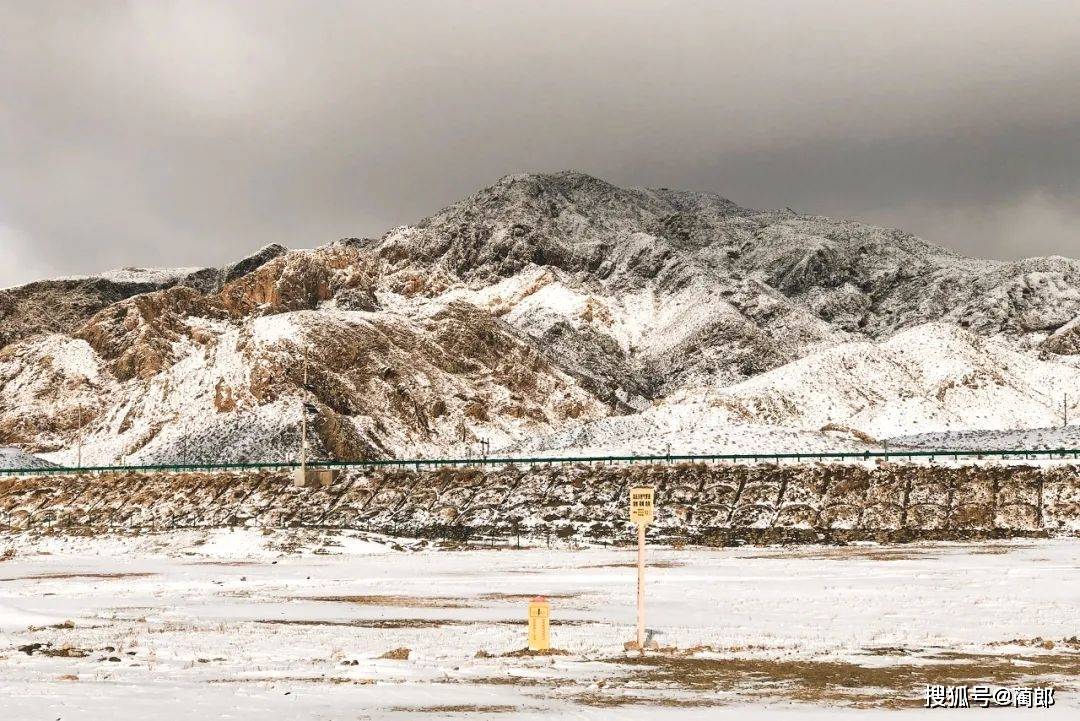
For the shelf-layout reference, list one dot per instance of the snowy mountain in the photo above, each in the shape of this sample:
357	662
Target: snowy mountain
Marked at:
689	286
550	312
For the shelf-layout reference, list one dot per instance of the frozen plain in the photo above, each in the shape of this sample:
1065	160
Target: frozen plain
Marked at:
242	624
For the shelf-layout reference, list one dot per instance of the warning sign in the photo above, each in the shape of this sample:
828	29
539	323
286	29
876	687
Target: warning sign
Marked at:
641	505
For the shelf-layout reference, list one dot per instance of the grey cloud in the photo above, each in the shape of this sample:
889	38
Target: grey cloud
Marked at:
191	132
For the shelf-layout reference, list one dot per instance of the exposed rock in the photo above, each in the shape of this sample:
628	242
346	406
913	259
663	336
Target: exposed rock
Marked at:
1066	340
397	654
357	299
252	262
62	306
139	336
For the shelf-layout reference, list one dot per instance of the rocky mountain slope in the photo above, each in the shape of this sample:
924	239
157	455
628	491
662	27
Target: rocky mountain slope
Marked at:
65	304
691	287
545	312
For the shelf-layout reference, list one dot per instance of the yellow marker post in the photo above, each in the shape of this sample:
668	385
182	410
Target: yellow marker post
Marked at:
641	513
539	624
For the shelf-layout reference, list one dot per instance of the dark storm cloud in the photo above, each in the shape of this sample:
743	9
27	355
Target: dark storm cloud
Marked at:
156	133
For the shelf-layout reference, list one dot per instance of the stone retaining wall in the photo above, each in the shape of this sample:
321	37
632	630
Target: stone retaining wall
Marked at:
696	503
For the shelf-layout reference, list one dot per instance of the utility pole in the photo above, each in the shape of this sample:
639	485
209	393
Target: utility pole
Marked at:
78	451
300	475
303	423
182	441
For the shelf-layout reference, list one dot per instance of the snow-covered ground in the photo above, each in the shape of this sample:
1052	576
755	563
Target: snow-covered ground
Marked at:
215	624
1027	439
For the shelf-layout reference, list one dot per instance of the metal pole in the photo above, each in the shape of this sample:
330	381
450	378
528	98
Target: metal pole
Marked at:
78	452
303	424
641	586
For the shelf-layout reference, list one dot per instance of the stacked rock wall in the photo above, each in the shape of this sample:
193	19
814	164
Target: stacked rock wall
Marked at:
696	503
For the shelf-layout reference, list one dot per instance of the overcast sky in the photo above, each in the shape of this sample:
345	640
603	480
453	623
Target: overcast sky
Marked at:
190	133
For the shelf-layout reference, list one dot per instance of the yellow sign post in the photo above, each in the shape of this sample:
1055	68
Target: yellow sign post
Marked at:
641	513
539	624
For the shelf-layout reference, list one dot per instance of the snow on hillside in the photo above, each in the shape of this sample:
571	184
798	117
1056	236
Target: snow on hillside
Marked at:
235	394
932	378
133	276
148	276
651	326
692	427
17	458
1058	438
935	377
51	386
187	414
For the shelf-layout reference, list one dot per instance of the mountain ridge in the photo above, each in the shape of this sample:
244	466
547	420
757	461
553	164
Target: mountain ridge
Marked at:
536	304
